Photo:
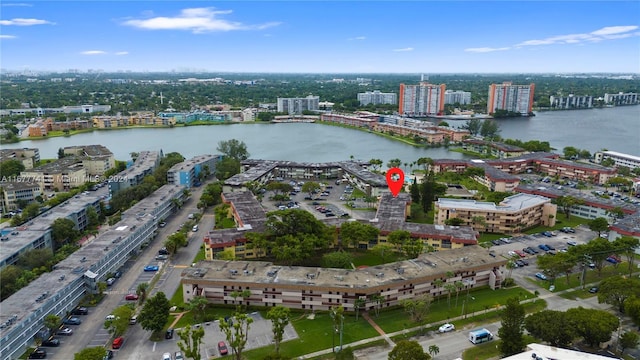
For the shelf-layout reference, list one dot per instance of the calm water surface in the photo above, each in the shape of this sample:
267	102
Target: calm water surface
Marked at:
615	129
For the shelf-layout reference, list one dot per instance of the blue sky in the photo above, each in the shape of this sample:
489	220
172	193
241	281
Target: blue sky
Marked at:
322	37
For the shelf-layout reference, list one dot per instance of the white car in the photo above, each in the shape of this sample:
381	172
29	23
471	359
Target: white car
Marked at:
446	328
166	356
110	317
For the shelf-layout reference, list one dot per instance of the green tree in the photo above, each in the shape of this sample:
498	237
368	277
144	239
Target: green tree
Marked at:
551	326
233	149
629	340
102	287
632	309
197	306
490	129
191	339
616	290
474	126
571	152
93	219
433	350
63	231
310	187
398	238
394	163
375	164
454	221
412	248
594	326
408	350
378	300
599	224
237	332
280	317
226	168
352	233
9	276
566	203
417	307
382	250
155	312
511	331
91	353
35	258
10	168
52	322
337	259
627	245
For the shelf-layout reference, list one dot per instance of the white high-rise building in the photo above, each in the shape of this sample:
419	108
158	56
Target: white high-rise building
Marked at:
421	100
509	97
457	96
298	105
571	102
376	97
622	99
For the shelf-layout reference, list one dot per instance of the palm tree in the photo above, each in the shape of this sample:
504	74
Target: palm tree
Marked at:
377	299
358	303
434	350
438	284
141	291
459	285
450	288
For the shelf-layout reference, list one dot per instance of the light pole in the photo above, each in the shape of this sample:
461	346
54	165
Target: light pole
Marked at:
462	313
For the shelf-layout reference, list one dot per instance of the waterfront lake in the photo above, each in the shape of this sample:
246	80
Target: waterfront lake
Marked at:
616	129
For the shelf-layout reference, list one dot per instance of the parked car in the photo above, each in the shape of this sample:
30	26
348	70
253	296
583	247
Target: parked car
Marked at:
162	257
118	274
163	251
38	354
168	334
110	281
72	321
80	311
549	247
117	342
151	268
162	224
109	355
533	249
446	328
572	243
178	356
593	290
612	260
528	251
65	331
166	356
131	297
520	263
110	317
222	348
51	342
520	253
541	276
543	247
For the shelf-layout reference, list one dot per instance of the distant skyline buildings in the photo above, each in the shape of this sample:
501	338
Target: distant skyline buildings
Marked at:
293	106
421	100
377	98
509	97
457	96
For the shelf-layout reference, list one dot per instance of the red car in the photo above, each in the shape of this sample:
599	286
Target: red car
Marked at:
222	348
520	253
131	297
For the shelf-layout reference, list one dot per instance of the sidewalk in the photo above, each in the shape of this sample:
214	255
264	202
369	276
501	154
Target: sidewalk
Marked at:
387	337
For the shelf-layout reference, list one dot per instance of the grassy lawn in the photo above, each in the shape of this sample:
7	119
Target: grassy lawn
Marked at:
561	221
372	258
591	277
200	255
315	335
487	237
479	300
178	298
419	216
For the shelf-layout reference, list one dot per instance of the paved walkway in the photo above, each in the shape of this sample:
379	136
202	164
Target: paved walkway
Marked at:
387	337
178	317
366	316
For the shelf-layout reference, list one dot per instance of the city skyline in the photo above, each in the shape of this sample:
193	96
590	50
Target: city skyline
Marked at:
322	37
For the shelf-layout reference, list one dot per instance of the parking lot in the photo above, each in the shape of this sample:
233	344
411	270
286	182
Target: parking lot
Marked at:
331	201
260	335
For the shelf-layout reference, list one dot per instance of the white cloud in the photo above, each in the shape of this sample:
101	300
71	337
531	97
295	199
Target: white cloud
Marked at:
24	22
18	4
122	53
196	20
609	30
485	49
357	38
403	49
93	52
606	33
7	36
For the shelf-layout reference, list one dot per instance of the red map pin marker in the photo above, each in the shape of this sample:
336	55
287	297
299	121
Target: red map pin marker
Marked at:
395	180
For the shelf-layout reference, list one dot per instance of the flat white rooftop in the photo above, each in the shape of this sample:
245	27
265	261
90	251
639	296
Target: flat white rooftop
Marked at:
553	353
512	203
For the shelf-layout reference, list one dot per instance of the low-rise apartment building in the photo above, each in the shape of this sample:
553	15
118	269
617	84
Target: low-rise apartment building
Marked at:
622	99
578	171
497	149
61	290
13	192
619	159
319	289
187	173
28	157
96	159
514	214
145	164
62	174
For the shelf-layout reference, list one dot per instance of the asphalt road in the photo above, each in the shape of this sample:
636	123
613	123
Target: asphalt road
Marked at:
136	346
